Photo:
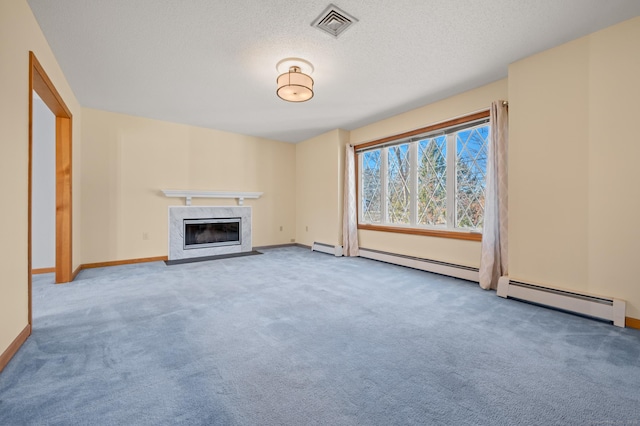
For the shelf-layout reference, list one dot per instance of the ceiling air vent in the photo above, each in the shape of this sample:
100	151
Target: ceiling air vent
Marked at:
334	21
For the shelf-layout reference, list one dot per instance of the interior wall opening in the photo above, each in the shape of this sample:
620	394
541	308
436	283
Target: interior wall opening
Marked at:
41	84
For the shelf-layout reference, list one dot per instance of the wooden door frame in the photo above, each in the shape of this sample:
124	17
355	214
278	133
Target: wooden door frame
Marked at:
42	85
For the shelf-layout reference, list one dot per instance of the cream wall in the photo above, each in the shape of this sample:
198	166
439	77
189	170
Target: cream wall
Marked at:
460	252
548	169
573	170
318	188
614	174
127	161
19	34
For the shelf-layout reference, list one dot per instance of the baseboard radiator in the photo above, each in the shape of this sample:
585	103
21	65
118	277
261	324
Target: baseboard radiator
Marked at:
605	308
443	268
327	248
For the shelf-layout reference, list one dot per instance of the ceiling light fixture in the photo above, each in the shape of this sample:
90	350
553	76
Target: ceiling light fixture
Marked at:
294	82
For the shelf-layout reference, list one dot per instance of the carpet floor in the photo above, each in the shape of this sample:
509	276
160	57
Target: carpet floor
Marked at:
294	337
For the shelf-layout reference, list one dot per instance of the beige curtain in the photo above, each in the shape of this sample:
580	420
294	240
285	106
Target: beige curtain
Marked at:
350	210
494	262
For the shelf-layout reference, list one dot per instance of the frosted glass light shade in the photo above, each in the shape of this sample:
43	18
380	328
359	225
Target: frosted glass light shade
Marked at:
295	86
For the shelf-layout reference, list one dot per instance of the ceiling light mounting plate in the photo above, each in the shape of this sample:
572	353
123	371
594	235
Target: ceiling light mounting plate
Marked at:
286	64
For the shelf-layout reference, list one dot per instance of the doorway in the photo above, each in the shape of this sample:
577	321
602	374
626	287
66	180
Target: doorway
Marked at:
40	83
43	191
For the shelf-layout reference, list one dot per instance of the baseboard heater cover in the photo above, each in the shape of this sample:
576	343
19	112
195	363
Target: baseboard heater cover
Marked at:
606	308
327	248
450	269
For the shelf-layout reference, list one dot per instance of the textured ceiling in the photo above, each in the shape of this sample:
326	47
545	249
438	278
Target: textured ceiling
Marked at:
212	63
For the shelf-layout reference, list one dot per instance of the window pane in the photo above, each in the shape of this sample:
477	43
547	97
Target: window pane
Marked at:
398	200
371	205
471	170
432	181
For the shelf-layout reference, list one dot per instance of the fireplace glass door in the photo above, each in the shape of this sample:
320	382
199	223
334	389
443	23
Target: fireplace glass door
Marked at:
200	233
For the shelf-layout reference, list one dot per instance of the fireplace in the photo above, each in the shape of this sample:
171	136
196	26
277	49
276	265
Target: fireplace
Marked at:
203	231
214	232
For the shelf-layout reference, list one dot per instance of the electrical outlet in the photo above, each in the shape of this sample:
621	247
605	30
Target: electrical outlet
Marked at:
145	235
293	240
280	228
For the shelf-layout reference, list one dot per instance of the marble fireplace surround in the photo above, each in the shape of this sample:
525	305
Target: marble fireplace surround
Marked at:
177	214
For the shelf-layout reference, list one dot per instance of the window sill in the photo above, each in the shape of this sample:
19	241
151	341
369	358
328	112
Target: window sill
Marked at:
457	235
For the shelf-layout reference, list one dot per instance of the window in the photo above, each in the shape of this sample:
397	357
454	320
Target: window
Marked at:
432	179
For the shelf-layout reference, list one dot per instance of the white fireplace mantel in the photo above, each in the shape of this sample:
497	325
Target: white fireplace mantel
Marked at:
188	195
